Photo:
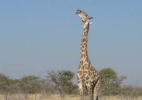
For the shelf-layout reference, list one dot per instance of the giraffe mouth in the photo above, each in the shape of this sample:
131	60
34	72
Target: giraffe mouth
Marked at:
77	13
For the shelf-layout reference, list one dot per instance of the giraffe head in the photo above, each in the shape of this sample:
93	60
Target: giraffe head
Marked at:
84	17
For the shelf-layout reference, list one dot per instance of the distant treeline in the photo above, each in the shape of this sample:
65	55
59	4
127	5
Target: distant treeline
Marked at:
61	82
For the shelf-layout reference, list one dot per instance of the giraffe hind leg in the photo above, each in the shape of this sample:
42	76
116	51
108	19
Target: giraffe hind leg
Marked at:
96	90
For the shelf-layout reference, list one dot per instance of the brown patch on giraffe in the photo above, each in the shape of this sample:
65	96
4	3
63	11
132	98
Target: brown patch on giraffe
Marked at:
84	43
87	82
83	55
85	65
83	40
81	62
86	68
85	72
87	77
80	73
82	47
83	50
92	77
85	59
83	76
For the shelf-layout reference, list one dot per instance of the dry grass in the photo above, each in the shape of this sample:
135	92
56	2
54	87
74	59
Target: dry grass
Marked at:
58	97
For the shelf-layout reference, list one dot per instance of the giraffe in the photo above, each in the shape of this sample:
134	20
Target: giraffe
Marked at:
87	75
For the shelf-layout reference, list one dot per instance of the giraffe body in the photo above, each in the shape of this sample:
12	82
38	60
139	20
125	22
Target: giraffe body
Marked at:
87	75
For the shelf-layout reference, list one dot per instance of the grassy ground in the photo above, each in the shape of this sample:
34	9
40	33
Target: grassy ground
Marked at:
58	97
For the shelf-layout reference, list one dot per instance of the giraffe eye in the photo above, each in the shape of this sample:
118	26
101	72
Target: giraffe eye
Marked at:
78	11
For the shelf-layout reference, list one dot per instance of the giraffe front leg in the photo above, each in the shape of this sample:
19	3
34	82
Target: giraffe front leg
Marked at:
96	90
80	88
89	89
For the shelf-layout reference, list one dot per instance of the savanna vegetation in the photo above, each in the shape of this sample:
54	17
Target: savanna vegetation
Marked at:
60	84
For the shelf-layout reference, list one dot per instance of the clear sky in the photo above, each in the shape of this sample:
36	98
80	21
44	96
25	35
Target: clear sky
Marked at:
37	36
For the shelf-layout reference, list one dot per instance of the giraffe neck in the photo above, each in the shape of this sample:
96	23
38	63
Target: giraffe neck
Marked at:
83	48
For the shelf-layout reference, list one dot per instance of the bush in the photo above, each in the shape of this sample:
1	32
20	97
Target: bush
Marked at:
110	83
62	81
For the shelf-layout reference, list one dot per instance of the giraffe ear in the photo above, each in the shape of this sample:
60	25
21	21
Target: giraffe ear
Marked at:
91	17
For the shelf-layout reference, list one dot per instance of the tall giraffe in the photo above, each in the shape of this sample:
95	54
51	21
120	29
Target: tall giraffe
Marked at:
87	75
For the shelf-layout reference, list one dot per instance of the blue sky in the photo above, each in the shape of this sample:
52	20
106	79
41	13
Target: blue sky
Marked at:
37	36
